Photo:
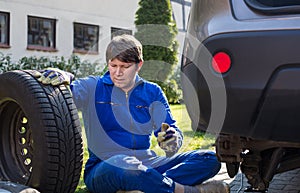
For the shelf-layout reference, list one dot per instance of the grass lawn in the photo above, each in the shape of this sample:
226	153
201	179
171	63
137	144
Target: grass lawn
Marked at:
192	140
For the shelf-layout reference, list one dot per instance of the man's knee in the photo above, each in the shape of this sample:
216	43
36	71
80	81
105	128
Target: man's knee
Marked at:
211	161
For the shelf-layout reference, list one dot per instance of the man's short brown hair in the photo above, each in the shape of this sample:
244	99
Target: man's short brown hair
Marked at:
125	48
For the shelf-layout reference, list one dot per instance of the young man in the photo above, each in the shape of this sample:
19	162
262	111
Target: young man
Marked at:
120	112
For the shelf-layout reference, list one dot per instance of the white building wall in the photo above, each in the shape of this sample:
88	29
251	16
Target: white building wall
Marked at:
104	13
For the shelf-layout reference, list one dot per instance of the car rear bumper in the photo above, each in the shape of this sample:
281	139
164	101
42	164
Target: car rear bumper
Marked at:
261	90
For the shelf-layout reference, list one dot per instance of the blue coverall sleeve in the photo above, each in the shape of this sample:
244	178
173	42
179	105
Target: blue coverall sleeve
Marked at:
169	118
81	90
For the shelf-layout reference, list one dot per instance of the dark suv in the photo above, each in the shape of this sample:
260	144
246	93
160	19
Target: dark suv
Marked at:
241	81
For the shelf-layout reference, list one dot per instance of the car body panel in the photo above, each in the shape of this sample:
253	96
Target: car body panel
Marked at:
251	75
253	108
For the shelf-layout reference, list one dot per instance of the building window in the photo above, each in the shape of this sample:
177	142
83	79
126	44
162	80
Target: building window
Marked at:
86	38
4	30
119	31
41	33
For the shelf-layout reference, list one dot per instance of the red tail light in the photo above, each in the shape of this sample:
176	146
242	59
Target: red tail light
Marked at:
221	62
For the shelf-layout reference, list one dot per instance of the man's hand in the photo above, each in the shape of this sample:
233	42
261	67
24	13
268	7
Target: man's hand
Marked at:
54	77
168	139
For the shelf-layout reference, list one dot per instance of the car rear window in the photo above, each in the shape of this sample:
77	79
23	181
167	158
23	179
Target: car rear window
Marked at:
279	3
275	7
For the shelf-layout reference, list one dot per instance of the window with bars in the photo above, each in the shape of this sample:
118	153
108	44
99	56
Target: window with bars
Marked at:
119	31
4	29
86	38
41	33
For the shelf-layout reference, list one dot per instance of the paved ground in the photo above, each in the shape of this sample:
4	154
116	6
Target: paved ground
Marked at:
288	182
9	187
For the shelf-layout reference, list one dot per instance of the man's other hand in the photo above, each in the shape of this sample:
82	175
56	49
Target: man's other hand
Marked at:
54	77
168	139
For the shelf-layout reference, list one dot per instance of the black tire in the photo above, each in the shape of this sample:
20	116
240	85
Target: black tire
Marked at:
40	135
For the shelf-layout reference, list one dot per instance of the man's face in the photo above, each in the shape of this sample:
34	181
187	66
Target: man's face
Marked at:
123	74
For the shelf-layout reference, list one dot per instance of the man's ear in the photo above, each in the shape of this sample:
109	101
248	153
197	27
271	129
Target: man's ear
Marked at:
140	64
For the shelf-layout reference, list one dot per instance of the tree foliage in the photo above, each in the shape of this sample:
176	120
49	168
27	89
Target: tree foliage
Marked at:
157	32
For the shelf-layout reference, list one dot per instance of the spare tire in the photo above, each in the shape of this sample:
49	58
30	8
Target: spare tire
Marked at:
40	135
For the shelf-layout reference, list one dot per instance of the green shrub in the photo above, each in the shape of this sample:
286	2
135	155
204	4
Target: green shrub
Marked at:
6	64
73	64
157	32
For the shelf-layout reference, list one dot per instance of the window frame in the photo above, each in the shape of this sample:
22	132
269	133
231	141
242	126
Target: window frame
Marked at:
84	38
34	30
115	31
7	30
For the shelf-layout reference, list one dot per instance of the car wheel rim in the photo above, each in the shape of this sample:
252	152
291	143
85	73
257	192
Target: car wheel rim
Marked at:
16	145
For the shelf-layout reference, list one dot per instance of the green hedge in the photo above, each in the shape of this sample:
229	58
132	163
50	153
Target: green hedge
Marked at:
73	64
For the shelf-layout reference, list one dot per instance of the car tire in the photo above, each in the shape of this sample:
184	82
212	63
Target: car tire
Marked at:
40	135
